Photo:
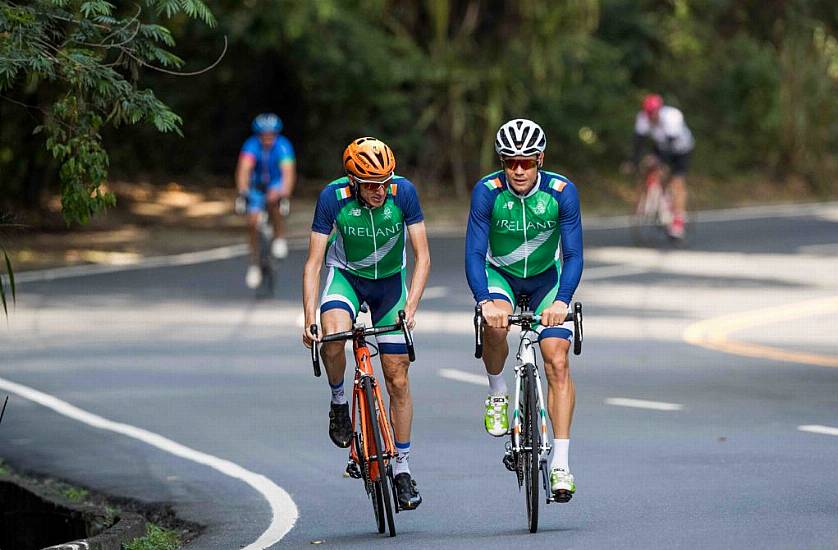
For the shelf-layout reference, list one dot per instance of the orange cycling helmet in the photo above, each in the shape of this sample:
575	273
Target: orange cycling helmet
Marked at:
368	157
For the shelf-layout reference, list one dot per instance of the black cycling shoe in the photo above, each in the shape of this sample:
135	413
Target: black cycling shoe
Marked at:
340	425
408	496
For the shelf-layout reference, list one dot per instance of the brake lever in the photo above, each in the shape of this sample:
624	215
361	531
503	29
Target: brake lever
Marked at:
408	338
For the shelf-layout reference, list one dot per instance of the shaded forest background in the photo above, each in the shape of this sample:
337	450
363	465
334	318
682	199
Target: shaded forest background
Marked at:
757	81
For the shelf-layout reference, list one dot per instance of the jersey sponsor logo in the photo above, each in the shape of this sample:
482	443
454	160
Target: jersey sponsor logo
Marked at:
355	212
517	226
388	214
509	205
368	232
540	208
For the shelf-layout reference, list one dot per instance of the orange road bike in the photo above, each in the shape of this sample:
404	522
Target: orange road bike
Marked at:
372	444
528	447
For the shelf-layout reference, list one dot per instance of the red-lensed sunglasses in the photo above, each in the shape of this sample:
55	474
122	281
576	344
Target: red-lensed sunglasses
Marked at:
372	185
513	164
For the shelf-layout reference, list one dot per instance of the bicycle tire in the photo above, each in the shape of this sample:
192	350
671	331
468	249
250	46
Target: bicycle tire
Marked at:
378	506
644	221
532	439
383	481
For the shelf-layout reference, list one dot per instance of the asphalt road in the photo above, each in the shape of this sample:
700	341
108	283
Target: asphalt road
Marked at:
186	352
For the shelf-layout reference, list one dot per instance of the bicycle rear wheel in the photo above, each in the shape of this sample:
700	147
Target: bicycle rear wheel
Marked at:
532	439
382	484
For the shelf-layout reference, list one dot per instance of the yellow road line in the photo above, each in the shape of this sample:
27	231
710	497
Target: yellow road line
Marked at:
713	333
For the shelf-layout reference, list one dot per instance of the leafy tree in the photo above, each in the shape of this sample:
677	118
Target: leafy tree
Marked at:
88	56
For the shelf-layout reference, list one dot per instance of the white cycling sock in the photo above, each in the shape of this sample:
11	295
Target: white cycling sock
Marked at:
560	451
497	384
401	465
338	395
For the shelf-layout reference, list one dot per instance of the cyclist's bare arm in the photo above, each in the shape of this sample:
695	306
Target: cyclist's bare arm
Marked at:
289	178
422	267
243	170
311	282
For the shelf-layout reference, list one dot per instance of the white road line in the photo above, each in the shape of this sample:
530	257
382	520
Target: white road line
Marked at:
817	429
643	404
283	509
463	376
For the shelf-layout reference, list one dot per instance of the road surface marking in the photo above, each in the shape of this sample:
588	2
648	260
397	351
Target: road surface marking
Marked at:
817	429
643	404
713	333
283	509
463	376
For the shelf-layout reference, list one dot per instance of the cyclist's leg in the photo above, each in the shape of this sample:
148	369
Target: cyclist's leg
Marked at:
495	348
678	190
386	300
279	246
561	392
256	201
386	297
338	308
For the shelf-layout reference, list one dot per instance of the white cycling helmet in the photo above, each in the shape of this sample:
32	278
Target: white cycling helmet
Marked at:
520	137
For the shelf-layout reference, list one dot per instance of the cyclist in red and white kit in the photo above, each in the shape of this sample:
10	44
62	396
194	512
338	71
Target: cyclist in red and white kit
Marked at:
673	145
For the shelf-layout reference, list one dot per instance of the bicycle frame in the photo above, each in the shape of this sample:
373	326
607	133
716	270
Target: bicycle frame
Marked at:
526	359
367	454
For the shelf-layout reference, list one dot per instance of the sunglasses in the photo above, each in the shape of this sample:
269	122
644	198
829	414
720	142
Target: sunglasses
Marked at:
513	164
372	185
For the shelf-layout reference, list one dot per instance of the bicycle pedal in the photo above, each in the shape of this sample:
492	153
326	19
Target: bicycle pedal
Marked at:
509	462
352	470
562	495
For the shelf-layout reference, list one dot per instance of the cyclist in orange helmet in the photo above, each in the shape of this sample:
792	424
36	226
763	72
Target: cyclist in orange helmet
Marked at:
365	213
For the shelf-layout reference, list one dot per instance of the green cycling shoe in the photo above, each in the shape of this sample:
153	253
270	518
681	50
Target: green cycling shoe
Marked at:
496	418
562	485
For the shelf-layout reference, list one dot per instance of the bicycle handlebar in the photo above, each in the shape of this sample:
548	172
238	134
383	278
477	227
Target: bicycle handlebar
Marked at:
363	333
315	353
528	317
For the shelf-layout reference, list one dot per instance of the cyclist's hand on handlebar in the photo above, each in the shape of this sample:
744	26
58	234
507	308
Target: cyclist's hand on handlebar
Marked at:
308	337
554	315
409	316
240	206
496	317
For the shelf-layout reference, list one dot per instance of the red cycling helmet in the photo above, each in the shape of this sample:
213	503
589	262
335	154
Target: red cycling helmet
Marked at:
652	103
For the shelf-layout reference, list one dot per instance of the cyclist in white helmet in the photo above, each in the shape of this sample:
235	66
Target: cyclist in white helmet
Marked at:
518	217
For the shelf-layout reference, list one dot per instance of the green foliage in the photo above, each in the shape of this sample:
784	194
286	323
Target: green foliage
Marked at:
88	55
75	494
155	539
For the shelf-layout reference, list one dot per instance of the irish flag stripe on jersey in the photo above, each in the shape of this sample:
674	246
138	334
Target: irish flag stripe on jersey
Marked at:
493	183
394	188
558	184
343	192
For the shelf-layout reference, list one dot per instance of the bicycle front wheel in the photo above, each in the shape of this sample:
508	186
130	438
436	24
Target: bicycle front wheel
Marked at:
383	482
532	440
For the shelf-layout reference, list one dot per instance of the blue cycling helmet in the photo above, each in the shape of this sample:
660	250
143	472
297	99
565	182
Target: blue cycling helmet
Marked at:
266	123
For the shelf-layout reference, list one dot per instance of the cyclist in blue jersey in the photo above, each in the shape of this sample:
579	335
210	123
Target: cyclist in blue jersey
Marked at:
361	224
265	175
521	217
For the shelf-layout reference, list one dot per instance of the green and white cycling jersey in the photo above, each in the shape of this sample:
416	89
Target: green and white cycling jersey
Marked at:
367	242
520	235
